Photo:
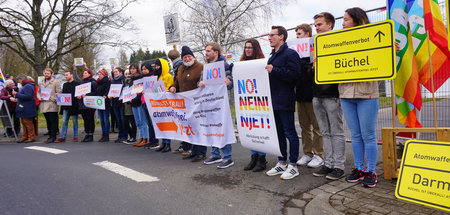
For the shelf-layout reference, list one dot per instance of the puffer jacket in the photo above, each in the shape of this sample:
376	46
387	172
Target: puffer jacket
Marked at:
26	104
165	75
49	105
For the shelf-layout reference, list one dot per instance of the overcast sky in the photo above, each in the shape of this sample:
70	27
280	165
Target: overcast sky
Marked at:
148	18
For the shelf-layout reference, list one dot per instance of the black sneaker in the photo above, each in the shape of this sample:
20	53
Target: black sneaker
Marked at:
335	174
225	164
370	180
323	171
357	175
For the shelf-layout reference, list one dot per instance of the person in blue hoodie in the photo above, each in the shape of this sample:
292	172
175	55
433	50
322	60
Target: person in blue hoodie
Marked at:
284	71
26	108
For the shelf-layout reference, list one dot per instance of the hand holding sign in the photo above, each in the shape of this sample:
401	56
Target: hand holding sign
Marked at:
82	89
78	61
214	73
301	46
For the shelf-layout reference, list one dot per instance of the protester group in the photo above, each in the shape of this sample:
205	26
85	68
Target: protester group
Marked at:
320	108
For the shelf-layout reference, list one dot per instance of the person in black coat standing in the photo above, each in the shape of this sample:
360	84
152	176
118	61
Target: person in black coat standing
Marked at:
87	113
67	111
117	105
284	70
103	90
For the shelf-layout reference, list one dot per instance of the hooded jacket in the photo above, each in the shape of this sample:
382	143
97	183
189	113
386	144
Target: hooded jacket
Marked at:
165	75
26	104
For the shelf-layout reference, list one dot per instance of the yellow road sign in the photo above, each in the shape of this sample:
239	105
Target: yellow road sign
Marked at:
424	176
363	53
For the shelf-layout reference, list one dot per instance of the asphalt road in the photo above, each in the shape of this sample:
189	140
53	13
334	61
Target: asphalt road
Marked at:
37	182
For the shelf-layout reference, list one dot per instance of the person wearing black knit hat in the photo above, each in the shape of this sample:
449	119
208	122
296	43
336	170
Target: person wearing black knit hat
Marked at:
188	76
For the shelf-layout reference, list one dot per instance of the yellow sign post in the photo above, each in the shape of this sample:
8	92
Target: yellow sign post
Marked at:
424	176
363	53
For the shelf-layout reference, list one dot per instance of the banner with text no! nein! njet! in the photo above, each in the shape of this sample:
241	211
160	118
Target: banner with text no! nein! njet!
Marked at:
253	105
201	116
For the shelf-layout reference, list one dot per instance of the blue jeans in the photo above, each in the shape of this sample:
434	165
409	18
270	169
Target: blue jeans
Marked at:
285	122
151	130
104	119
118	112
141	122
226	150
66	123
252	152
361	117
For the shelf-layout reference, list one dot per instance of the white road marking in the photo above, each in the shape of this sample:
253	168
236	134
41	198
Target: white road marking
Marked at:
46	149
127	172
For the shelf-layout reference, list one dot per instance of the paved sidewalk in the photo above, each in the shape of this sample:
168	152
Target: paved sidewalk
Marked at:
340	197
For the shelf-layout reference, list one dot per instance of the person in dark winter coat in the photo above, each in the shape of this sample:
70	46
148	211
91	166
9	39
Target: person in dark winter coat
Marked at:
103	90
26	107
147	71
128	118
67	111
11	102
284	70
117	106
87	113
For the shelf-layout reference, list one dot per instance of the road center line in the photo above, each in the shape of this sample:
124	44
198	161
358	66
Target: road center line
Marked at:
127	172
46	149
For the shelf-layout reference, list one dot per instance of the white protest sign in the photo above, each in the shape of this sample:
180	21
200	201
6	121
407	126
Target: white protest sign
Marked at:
95	102
253	105
64	99
301	46
149	83
78	61
127	95
45	93
159	87
201	116
114	90
214	73
83	89
138	86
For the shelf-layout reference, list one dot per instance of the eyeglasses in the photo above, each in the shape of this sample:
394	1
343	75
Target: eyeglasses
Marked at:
271	35
248	47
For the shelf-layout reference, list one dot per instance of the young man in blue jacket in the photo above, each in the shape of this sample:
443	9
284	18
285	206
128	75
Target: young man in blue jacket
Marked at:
284	70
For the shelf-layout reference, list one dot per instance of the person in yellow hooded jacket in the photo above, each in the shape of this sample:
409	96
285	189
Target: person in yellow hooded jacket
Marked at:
162	72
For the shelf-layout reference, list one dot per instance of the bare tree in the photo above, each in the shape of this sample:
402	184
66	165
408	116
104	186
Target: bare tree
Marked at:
41	32
123	59
223	21
12	63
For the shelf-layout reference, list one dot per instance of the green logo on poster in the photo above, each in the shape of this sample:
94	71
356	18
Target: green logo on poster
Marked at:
99	102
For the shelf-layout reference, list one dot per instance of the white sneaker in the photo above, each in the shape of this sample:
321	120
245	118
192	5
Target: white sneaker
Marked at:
315	162
278	169
305	159
290	173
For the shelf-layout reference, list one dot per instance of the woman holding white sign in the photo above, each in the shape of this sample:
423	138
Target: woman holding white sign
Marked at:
117	106
87	113
359	102
252	51
138	112
103	90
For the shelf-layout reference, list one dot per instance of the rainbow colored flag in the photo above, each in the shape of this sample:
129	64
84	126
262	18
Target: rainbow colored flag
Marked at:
2	79
440	54
406	84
